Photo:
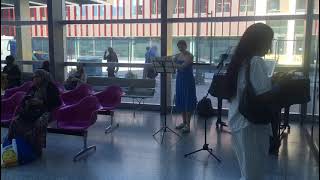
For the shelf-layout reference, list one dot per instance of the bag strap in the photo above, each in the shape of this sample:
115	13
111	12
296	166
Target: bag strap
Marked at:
247	75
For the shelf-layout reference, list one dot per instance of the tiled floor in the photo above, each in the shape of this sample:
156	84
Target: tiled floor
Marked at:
131	152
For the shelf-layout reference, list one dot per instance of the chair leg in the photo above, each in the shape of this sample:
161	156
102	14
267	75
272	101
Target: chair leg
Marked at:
111	127
84	150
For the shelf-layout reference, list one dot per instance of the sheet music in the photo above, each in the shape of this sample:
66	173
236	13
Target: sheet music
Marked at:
163	64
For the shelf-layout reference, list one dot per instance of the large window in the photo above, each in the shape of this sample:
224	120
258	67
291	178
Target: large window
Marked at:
273	5
223	5
140	7
206	40
301	5
156	6
179	6
203	6
247	5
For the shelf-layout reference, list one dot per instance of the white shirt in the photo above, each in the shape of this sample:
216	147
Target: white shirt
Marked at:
261	83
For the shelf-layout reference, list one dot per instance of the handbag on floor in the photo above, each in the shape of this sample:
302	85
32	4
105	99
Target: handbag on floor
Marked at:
16	152
204	107
9	154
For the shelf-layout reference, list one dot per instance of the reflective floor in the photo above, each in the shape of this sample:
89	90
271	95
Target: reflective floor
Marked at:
131	152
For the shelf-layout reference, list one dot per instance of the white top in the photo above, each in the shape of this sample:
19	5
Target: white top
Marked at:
261	84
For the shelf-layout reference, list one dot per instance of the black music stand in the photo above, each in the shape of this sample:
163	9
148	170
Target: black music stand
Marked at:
205	146
164	65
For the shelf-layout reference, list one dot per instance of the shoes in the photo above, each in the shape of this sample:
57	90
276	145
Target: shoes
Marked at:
180	126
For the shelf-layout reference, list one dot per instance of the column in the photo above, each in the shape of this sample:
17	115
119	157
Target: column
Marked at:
166	49
57	38
23	34
307	51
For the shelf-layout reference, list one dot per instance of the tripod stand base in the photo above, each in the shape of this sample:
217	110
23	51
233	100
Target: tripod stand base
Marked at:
165	129
204	148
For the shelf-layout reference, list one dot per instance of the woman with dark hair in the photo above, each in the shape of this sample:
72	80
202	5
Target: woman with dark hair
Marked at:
33	116
250	141
186	98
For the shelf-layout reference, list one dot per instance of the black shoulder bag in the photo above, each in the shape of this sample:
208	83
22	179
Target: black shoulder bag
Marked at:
219	86
253	110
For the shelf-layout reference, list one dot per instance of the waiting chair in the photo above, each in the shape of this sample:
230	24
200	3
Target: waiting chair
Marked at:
10	106
78	118
74	96
25	87
109	99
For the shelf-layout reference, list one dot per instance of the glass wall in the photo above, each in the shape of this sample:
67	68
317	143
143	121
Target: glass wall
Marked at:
129	26
27	41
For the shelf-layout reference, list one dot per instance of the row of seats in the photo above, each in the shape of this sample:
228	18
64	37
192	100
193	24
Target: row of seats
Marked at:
77	113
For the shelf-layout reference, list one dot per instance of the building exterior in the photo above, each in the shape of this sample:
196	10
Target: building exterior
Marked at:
207	40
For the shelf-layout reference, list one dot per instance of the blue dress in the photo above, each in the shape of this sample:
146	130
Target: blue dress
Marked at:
186	98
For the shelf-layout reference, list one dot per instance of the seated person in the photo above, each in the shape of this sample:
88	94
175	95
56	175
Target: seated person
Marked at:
76	77
33	116
12	72
45	66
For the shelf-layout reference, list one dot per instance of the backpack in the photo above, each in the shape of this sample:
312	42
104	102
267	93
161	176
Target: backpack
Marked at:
204	107
253	110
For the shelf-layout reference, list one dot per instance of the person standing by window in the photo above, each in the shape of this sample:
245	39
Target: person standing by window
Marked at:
186	98
147	59
111	58
250	141
12	73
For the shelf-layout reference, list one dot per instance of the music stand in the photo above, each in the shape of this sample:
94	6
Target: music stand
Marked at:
205	146
164	65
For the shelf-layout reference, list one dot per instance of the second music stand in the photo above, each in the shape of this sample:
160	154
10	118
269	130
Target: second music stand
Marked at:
164	65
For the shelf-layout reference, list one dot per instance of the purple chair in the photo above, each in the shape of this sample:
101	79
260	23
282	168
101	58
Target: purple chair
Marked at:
109	99
74	96
9	107
25	87
78	118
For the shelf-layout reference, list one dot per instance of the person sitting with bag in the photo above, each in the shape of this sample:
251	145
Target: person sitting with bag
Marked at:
76	78
32	118
250	111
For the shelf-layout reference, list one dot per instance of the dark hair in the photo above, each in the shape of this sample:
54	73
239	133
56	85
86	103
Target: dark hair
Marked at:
10	58
46	66
182	42
254	42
